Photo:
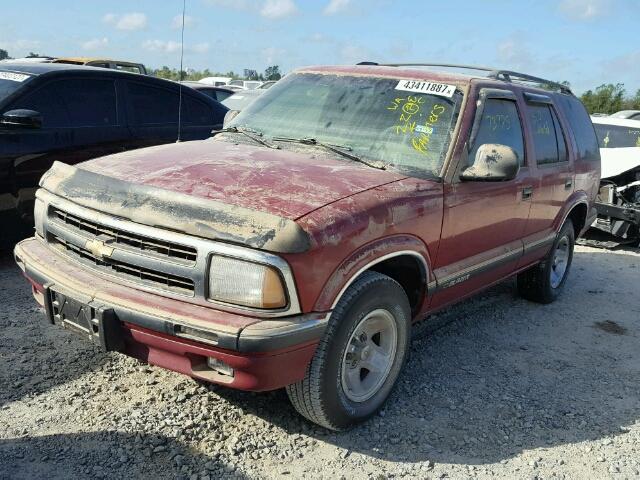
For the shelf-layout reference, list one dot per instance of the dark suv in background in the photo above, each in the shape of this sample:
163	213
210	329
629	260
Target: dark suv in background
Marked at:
74	113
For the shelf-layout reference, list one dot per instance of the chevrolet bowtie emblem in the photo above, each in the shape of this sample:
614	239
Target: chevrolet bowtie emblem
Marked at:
99	249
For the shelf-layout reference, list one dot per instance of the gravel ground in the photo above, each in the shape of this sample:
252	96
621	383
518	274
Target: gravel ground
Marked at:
496	387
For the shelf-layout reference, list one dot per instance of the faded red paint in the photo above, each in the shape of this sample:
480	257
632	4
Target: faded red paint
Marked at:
283	183
253	372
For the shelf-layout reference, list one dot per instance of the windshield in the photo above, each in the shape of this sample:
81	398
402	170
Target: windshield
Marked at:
617	136
10	82
387	120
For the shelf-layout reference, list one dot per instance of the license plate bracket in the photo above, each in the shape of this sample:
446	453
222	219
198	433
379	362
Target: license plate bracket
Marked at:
97	323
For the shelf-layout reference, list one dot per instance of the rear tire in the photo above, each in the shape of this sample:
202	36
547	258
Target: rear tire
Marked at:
544	282
360	356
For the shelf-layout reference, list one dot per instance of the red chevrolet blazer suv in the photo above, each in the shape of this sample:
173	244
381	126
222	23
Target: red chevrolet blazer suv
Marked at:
296	247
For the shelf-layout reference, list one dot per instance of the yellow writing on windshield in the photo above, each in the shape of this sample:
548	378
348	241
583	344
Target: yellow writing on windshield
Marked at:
409	107
421	142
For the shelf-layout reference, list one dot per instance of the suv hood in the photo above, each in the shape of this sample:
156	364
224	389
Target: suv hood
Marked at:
284	183
214	190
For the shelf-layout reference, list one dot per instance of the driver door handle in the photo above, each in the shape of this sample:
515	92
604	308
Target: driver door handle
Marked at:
527	193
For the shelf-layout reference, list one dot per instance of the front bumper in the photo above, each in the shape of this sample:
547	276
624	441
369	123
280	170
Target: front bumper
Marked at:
264	354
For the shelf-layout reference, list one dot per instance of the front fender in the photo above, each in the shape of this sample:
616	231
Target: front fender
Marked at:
367	256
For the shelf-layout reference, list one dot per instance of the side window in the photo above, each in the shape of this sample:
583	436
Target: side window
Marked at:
46	101
221	95
581	127
196	112
548	139
499	124
563	153
617	136
152	105
128	68
90	102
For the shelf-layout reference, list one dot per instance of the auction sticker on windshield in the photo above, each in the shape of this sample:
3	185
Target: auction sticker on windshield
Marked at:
16	77
431	88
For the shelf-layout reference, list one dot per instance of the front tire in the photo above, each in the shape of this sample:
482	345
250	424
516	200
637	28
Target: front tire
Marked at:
544	282
360	356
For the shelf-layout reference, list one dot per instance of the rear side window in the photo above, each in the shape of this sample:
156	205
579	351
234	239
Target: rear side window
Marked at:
152	105
581	126
196	112
617	136
547	135
500	123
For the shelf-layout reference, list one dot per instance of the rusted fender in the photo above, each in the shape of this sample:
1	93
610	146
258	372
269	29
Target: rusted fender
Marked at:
155	206
367	256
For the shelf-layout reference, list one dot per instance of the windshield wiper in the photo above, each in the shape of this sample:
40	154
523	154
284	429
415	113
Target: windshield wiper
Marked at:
342	150
247	132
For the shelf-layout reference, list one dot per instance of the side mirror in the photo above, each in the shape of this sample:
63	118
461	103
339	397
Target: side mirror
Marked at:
22	118
493	163
230	115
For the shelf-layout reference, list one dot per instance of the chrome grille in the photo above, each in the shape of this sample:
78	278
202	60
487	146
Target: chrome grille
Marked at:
113	236
145	257
129	271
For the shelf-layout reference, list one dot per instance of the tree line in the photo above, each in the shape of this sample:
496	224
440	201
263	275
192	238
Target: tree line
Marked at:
270	73
609	98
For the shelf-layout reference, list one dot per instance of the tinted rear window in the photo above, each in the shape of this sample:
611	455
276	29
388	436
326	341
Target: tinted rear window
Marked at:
195	112
581	126
152	105
617	136
547	135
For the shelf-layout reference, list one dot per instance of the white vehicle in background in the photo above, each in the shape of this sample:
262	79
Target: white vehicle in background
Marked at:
216	81
29	60
618	202
628	114
247	84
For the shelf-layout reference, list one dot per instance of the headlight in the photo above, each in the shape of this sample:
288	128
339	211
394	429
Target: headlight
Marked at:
244	283
38	216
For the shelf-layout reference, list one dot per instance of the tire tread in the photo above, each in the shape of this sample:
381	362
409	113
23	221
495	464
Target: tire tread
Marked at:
305	395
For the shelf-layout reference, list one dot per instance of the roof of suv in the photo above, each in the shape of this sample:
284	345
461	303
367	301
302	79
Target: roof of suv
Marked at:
419	72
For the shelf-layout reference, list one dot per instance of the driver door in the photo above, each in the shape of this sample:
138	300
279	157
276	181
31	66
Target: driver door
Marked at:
484	221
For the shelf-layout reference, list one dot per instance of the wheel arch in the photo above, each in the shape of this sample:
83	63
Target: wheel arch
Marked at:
577	209
403	258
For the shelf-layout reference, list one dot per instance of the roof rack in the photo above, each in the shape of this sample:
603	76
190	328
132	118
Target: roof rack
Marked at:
495	73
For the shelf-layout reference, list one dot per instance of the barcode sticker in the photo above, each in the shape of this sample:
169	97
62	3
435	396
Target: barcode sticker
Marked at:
430	88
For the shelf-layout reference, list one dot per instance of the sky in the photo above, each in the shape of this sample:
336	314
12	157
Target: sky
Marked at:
586	42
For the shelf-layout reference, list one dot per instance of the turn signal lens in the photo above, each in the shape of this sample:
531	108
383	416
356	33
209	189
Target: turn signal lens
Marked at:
244	283
38	216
